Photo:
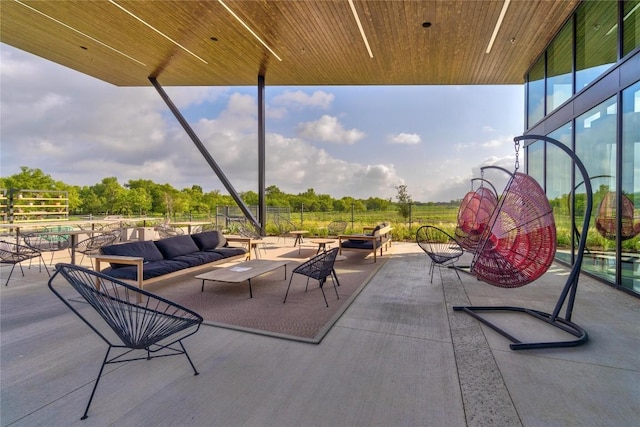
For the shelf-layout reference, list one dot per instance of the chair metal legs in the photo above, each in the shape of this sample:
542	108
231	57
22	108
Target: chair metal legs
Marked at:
334	279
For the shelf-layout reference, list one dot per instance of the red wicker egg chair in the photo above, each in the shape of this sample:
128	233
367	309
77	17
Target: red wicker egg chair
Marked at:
606	218
519	242
474	214
518	246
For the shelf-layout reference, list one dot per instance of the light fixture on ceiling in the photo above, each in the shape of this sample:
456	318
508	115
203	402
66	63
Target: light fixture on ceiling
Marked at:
80	32
364	36
248	29
156	30
503	12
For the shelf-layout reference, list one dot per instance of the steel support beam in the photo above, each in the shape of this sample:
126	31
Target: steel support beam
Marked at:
205	153
262	206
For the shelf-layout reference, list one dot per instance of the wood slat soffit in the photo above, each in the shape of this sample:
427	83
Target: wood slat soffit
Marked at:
231	42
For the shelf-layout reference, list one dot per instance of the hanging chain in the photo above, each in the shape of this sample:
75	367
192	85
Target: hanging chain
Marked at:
517	148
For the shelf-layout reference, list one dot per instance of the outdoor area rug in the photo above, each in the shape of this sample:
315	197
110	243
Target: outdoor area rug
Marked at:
304	317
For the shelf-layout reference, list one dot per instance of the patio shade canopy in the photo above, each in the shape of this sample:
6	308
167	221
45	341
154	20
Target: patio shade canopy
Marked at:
295	42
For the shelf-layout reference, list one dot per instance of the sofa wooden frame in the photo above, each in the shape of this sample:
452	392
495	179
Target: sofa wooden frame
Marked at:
139	263
380	239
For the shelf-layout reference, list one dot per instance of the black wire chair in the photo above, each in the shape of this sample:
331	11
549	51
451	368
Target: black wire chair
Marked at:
14	253
336	228
443	250
257	241
46	243
93	244
320	267
153	324
165	231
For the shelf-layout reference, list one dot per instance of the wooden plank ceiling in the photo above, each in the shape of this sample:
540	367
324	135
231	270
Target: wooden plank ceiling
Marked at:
204	43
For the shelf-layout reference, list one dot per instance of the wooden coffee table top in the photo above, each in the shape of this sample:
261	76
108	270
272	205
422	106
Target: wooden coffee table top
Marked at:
242	271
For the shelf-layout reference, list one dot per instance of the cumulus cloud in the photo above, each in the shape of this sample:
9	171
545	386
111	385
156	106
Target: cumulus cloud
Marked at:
329	129
298	99
405	138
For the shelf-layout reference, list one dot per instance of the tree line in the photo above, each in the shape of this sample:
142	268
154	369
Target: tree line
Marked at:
145	197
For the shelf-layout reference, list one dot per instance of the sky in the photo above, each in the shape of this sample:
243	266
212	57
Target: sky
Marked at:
358	141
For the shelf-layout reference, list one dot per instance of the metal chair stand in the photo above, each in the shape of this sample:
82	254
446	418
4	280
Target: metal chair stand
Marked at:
568	293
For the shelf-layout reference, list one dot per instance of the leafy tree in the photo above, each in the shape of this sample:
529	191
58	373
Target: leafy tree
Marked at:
404	201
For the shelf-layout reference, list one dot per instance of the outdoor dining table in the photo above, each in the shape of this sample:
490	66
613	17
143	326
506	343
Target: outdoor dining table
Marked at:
73	234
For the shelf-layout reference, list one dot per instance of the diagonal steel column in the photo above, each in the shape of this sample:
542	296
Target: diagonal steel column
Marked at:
205	152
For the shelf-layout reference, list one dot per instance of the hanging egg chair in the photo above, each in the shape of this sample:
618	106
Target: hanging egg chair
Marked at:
519	242
474	214
606	218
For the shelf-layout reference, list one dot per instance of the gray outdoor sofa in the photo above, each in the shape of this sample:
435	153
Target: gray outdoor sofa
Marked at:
149	261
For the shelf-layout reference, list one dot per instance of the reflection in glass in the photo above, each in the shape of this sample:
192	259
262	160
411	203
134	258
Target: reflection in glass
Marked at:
559	190
596	40
596	147
559	68
535	93
631	181
631	26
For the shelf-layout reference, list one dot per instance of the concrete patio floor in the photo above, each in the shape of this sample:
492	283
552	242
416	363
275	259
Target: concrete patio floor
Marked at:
399	356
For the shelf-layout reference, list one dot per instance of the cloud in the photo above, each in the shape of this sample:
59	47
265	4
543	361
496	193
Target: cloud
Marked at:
297	99
405	138
328	129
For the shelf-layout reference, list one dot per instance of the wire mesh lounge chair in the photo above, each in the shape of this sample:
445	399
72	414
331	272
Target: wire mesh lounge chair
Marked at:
93	244
441	248
46	243
155	326
165	231
14	253
320	267
335	228
257	241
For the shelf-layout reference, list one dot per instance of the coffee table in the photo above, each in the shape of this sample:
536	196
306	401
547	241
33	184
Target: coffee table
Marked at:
243	271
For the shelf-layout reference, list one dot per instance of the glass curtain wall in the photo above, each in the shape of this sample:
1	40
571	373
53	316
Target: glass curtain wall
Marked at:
630	265
602	37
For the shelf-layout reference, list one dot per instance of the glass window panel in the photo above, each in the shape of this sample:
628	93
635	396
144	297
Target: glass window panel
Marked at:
535	94
559	191
535	161
596	147
559	68
595	42
631	183
630	26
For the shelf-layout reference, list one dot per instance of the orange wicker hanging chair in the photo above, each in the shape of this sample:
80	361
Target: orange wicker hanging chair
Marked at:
606	218
474	215
519	242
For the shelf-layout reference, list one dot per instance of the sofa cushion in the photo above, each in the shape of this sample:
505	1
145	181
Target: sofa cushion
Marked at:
172	247
145	249
229	251
357	244
209	240
198	258
149	270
